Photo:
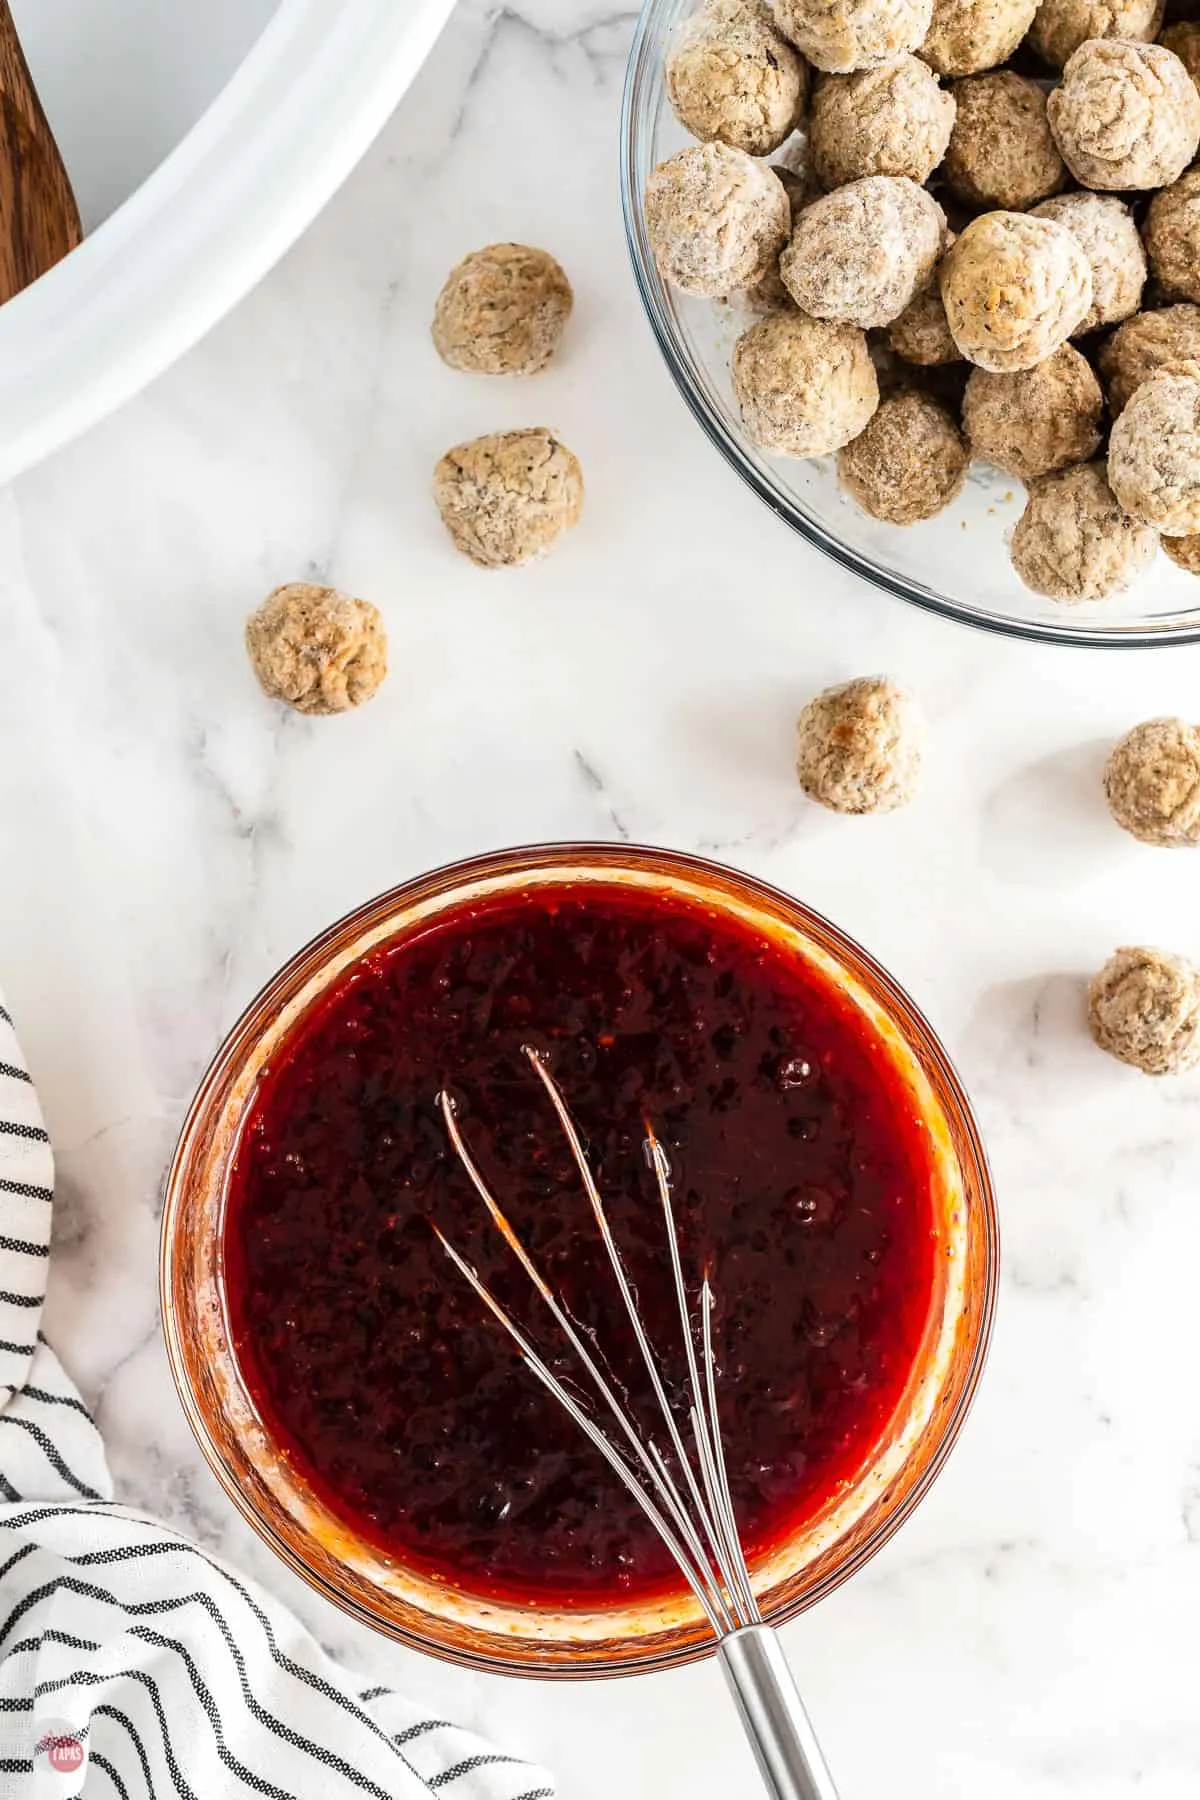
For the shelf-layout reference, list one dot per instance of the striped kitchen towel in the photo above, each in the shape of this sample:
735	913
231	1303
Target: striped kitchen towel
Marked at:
133	1665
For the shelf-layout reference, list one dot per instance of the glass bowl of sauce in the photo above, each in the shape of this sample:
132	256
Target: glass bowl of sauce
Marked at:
374	1423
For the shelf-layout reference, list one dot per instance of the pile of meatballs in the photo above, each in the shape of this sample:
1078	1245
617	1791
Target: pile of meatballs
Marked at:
982	239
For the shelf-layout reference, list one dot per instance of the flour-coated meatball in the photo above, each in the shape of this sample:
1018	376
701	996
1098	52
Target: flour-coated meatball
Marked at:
1154	451
1104	227
1038	419
1173	238
1014	289
1144	1009
732	76
840	36
967	36
1002	153
1125	115
316	649
508	497
863	252
1060	26
859	746
804	386
891	120
1152	782
909	463
1074	542
716	218
502	311
1143	344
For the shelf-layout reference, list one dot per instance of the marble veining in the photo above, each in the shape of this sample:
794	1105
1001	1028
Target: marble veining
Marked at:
167	838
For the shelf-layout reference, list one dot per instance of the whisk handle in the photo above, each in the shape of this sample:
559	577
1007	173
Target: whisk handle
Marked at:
784	1743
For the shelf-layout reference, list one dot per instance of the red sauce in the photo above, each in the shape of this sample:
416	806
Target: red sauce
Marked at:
801	1181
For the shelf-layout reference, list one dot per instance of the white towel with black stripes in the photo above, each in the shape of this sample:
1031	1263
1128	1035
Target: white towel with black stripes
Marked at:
133	1665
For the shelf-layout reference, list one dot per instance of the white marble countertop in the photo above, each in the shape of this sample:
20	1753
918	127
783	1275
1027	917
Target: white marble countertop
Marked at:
167	838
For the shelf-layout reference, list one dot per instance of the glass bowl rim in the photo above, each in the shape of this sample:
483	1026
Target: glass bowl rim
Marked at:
445	877
1083	636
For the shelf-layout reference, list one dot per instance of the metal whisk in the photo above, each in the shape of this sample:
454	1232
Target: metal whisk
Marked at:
694	1518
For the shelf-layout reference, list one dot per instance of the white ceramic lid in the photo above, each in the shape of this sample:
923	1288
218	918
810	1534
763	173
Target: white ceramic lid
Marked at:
286	130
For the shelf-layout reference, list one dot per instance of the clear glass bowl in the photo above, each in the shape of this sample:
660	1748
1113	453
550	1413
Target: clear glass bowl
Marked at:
455	1622
956	564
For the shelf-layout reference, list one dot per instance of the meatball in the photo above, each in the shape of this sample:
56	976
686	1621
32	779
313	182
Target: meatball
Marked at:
716	219
1144	1009
861	253
1142	345
1073	542
1184	552
1152	781
1154	451
805	386
840	36
921	335
860	746
1060	26
1183	40
891	120
506	498
502	311
967	36
1001	151
1105	228
1126	115
1173	238
1014	289
909	463
1038	419
319	651
730	75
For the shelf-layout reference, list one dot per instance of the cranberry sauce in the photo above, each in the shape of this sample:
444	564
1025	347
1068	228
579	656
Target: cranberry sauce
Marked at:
800	1182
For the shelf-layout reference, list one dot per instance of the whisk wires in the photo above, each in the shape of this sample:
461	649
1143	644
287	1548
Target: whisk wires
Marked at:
690	1507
